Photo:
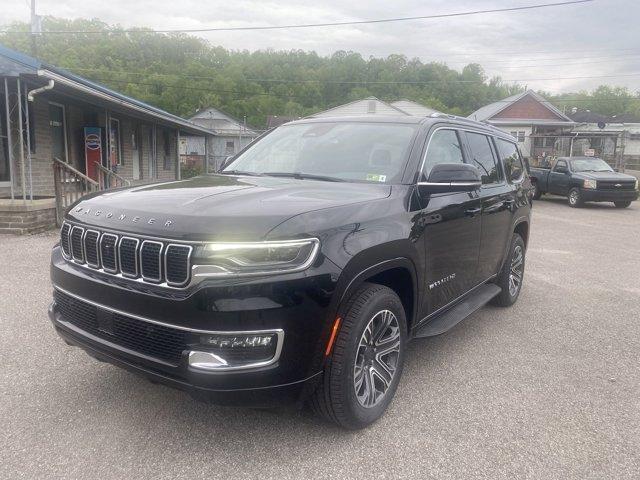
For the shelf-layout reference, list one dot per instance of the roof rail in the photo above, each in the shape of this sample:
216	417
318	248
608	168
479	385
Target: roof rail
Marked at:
468	121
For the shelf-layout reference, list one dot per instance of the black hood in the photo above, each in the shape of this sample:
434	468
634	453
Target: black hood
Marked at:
607	176
217	207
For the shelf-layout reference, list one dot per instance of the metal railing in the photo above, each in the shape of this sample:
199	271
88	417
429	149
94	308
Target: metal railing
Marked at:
70	185
110	179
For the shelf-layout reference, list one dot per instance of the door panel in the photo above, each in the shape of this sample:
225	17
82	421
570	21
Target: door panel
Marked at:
559	182
451	228
497	213
452	243
135	154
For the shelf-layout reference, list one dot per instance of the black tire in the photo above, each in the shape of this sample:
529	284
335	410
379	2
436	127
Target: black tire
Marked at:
622	204
575	198
335	398
537	193
508	296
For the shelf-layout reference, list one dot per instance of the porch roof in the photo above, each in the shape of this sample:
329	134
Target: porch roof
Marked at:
13	63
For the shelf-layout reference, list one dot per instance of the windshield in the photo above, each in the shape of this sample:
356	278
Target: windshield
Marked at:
590	165
367	152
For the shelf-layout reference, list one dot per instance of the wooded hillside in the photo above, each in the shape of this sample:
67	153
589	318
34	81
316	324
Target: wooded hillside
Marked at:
181	73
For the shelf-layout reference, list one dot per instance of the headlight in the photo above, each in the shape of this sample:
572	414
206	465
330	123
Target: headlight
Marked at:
590	184
636	184
256	258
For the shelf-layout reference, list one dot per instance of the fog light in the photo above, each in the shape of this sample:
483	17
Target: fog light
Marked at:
237	350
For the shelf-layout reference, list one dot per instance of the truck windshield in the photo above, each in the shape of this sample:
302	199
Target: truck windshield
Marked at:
590	165
338	151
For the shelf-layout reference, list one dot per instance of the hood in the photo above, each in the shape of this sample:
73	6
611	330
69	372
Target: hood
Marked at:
612	176
217	207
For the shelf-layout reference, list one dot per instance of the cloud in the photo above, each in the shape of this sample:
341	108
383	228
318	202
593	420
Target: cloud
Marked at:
593	39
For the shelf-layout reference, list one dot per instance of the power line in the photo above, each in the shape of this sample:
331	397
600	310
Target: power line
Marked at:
252	94
326	24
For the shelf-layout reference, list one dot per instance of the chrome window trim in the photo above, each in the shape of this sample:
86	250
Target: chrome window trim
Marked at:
189	267
84	246
65	255
460	128
73	255
136	257
115	254
160	262
277	331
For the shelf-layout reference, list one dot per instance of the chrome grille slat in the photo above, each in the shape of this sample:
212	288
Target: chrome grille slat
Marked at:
108	256
77	247
146	260
64	240
176	264
151	260
91	239
128	256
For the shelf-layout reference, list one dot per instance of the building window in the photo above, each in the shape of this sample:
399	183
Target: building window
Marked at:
115	142
521	136
230	148
4	144
58	124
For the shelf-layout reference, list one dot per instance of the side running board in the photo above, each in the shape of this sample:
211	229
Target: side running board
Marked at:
449	319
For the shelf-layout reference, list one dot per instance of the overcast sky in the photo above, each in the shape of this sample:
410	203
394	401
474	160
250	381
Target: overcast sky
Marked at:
601	38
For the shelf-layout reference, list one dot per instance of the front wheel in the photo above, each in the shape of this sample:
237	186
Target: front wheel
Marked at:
512	274
622	204
575	198
363	371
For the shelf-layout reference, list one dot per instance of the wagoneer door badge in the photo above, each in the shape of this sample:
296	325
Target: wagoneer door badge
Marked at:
442	281
123	217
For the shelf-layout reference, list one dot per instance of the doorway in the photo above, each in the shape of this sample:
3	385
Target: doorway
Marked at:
58	126
135	153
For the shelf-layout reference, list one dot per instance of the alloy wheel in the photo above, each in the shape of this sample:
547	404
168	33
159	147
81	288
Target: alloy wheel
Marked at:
516	271
376	358
573	198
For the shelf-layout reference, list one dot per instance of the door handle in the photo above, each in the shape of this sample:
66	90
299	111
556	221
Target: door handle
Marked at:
471	212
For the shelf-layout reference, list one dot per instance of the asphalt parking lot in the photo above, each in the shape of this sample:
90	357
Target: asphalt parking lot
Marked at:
547	389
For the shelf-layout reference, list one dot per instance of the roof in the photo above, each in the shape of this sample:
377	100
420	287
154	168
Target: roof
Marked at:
220	121
486	113
413	108
587	116
367	106
24	64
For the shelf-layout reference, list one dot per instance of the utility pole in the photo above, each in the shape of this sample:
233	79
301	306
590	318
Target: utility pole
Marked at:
36	29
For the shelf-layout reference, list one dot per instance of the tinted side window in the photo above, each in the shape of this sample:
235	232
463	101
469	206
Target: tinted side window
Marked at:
444	147
510	157
483	158
561	163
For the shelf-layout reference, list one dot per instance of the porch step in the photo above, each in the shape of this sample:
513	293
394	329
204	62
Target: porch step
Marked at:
450	318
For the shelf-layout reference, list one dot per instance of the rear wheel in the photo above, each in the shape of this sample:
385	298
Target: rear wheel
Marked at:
512	274
575	198
362	374
622	204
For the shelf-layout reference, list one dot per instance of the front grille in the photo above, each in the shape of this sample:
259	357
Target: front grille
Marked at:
616	185
168	264
158	341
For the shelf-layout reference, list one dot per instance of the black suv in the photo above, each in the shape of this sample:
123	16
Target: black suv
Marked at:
302	269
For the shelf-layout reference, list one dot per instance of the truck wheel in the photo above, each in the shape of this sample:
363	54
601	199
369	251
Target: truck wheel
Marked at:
512	273
575	198
363	371
537	193
622	204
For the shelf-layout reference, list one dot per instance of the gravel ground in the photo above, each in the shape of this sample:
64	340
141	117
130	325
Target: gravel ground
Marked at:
549	388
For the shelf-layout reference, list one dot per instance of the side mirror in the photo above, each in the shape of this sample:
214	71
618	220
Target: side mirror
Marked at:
451	177
225	162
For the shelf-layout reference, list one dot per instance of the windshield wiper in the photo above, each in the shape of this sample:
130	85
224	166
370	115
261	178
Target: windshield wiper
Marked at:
303	176
240	172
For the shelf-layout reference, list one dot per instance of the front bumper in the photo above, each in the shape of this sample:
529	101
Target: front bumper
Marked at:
300	307
609	195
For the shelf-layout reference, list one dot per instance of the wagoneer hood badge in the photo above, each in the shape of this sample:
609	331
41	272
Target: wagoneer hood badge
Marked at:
123	217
